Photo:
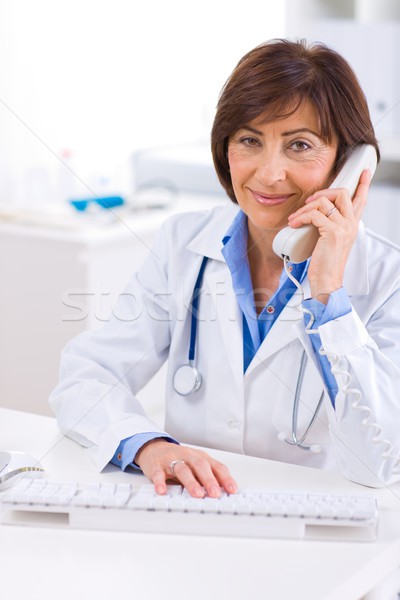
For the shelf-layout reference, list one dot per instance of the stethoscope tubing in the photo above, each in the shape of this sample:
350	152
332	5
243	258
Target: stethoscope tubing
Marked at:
194	310
296	441
187	379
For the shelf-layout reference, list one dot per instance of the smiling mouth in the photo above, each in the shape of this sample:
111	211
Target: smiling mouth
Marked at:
270	199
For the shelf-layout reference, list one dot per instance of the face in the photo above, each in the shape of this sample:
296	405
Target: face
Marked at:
275	166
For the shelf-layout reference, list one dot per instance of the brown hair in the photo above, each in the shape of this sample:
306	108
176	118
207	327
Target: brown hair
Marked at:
277	77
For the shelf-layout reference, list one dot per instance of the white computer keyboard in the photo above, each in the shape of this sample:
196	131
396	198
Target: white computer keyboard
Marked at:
248	513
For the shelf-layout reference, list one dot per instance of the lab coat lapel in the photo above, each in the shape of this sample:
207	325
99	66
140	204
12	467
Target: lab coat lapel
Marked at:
282	333
228	316
218	284
284	330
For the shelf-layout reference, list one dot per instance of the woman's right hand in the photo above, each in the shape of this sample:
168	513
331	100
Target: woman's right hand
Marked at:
194	469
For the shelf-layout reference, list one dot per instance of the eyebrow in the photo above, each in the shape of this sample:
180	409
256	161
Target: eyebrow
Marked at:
285	133
301	130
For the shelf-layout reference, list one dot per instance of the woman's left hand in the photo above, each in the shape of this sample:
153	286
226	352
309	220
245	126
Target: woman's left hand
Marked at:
336	216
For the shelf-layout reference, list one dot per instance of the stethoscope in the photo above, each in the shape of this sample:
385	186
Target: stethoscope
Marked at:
187	379
295	440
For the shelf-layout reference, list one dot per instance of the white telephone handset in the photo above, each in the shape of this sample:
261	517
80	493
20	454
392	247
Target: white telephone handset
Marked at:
297	244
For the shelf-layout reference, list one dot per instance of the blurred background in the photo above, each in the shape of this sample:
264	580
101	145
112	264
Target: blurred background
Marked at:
105	116
88	82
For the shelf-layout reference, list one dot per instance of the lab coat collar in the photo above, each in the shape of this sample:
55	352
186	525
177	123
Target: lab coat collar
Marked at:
208	242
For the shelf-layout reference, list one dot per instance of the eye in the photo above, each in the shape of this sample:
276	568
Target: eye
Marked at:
249	141
300	146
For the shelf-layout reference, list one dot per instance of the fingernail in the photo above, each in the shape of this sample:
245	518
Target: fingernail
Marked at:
198	492
215	492
232	488
160	489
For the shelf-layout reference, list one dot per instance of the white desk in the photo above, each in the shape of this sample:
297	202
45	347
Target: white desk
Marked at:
43	564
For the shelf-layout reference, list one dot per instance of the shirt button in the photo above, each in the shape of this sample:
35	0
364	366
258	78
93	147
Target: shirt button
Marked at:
119	456
233	424
270	309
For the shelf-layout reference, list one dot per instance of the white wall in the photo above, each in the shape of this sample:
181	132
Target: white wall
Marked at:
101	78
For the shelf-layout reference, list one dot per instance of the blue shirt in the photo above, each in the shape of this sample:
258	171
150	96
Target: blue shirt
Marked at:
256	327
127	449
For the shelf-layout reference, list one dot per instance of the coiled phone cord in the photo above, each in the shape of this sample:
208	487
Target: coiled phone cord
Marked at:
347	391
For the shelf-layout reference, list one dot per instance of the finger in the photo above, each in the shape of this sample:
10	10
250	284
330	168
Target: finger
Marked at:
185	476
341	196
322	207
320	220
213	476
224	477
338	197
361	195
159	480
205	475
327	208
366	177
335	195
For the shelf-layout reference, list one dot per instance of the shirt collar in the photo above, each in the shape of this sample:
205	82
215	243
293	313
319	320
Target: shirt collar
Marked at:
235	242
235	249
208	243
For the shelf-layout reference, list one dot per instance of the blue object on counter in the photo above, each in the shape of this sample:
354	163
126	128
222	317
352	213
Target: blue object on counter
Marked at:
106	202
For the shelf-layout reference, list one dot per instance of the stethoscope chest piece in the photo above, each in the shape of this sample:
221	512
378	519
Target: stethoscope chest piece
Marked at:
187	380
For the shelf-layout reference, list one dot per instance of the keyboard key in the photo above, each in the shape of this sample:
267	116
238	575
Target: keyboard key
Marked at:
252	513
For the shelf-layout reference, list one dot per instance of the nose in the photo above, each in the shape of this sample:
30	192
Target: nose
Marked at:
271	167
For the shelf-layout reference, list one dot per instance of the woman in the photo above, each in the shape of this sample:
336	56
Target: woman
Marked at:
285	122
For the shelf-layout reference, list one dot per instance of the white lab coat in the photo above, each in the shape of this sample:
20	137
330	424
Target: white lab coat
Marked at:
102	371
